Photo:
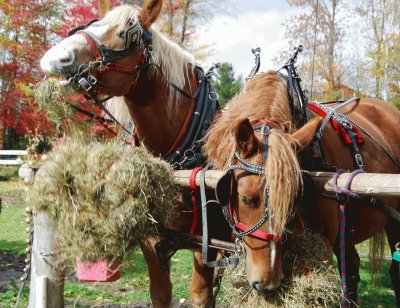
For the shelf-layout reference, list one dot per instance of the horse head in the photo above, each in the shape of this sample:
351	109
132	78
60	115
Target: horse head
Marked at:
265	179
105	54
123	55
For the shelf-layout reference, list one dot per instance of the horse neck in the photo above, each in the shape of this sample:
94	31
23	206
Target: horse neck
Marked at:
157	125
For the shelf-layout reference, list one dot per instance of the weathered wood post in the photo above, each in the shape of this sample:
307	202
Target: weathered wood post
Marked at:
47	270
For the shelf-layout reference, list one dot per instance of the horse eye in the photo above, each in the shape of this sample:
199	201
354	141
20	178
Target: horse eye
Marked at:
249	201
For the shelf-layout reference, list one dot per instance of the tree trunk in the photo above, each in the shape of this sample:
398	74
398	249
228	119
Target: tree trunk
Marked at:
171	18
45	262
185	20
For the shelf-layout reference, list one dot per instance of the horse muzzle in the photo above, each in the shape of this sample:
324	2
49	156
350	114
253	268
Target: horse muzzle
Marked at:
262	286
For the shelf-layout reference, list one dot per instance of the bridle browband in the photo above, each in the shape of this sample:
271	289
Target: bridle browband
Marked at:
239	228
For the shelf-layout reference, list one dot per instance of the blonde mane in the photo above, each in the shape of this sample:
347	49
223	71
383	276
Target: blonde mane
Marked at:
264	98
176	63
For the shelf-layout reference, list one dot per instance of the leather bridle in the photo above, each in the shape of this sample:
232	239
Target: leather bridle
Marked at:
239	228
135	37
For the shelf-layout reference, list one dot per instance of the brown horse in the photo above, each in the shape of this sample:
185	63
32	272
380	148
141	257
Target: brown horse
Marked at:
122	55
266	174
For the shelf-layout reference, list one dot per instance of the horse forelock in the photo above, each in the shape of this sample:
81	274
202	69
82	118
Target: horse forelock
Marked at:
264	98
119	15
177	65
283	177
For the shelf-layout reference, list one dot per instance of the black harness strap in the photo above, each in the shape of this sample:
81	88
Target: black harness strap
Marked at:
384	208
234	260
188	155
90	114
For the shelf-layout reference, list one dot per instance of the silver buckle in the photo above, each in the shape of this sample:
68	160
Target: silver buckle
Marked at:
359	160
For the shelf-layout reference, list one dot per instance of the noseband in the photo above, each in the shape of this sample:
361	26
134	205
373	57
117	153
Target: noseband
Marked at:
239	228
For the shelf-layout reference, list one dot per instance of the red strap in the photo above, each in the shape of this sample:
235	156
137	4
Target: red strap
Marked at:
339	128
269	123
117	67
194	188
259	234
94	48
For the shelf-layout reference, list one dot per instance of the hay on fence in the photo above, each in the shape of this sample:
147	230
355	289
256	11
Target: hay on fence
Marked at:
105	197
320	287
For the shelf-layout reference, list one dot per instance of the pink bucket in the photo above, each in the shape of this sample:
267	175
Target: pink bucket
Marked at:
101	271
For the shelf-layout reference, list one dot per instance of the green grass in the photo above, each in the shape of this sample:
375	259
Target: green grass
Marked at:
133	287
12	218
378	293
8	173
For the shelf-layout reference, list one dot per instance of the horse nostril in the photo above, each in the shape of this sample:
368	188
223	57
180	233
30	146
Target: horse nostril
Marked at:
66	59
257	286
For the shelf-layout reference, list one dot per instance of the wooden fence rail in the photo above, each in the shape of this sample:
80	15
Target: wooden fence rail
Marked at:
367	184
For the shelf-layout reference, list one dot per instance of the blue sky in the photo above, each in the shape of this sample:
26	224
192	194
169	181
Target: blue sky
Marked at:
249	24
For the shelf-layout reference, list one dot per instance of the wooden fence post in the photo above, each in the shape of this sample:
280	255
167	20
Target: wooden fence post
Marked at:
45	262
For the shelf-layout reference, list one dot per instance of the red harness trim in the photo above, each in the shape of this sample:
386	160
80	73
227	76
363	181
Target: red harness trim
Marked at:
185	126
268	123
92	44
261	235
339	128
195	189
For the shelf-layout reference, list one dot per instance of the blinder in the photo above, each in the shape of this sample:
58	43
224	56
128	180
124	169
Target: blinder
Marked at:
223	189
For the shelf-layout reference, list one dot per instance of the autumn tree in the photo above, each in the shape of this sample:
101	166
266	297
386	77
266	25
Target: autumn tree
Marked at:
182	19
320	30
382	33
24	36
226	84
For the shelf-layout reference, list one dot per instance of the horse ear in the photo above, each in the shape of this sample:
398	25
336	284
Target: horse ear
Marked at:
305	134
245	139
104	7
150	12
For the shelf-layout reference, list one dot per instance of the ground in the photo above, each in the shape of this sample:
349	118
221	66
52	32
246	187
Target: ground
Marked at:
11	267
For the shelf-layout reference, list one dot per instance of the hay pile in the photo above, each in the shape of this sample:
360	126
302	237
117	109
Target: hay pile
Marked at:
319	288
104	196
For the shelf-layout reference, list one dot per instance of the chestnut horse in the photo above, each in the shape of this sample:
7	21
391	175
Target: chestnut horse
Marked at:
123	55
266	175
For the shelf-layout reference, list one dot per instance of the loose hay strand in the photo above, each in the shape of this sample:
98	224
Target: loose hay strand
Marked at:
102	196
320	287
